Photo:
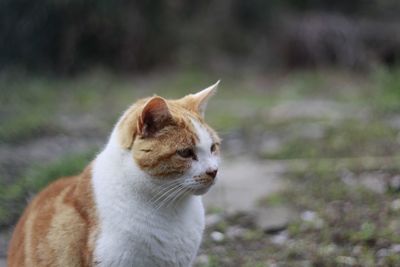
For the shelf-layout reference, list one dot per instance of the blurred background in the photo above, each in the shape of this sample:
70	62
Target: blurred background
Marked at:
308	108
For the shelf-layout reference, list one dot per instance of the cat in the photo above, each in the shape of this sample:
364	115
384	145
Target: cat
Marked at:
138	203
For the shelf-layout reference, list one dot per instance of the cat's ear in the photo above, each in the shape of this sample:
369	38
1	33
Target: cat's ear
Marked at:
155	116
199	100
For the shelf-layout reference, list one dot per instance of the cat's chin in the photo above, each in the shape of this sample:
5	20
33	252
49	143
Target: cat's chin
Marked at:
201	191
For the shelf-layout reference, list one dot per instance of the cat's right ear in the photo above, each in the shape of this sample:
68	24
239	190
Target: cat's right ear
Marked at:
155	116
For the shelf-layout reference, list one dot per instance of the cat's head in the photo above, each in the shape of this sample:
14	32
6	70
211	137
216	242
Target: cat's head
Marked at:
170	141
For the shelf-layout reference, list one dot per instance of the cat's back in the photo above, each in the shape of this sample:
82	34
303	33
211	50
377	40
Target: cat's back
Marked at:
59	224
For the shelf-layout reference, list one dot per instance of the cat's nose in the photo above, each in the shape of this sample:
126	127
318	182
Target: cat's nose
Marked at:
212	173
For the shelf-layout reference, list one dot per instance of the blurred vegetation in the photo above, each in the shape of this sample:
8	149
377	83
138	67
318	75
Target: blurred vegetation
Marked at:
70	36
388	92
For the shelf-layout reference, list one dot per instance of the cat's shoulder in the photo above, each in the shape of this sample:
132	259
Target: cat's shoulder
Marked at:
62	215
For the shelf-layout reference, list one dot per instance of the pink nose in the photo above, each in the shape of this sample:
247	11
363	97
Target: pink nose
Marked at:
212	173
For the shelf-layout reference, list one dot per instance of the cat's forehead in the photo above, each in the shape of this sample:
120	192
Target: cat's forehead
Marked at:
205	136
192	120
203	132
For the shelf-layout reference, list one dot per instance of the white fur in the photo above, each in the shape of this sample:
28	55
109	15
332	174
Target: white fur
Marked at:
132	231
206	160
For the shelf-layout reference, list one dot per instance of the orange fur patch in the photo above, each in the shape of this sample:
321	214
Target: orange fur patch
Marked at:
58	226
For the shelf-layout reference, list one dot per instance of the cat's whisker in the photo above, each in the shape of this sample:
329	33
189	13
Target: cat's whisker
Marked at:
164	197
165	193
166	184
163	189
169	189
177	195
160	201
161	184
174	195
188	191
166	200
185	193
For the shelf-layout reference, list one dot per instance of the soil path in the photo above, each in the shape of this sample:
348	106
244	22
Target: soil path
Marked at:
242	182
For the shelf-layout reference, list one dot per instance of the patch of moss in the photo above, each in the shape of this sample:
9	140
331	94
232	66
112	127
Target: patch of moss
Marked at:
386	97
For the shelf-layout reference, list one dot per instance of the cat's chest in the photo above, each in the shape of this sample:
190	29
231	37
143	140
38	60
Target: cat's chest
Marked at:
155	241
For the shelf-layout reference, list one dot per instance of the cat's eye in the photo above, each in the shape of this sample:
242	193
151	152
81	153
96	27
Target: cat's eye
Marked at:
213	148
186	153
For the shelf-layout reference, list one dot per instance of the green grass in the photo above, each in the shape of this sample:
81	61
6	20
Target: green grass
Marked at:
387	98
27	126
25	106
349	138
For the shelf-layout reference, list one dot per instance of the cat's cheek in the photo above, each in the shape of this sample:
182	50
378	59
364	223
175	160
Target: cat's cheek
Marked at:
171	168
180	164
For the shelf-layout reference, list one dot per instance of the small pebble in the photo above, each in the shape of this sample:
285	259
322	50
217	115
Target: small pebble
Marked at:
312	218
280	238
395	205
235	232
217	236
328	249
202	260
383	252
395	248
395	182
308	215
272	263
213	219
357	250
346	260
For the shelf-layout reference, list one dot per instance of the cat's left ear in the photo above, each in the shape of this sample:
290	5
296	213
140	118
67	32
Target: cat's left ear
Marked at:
198	102
155	116
146	122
